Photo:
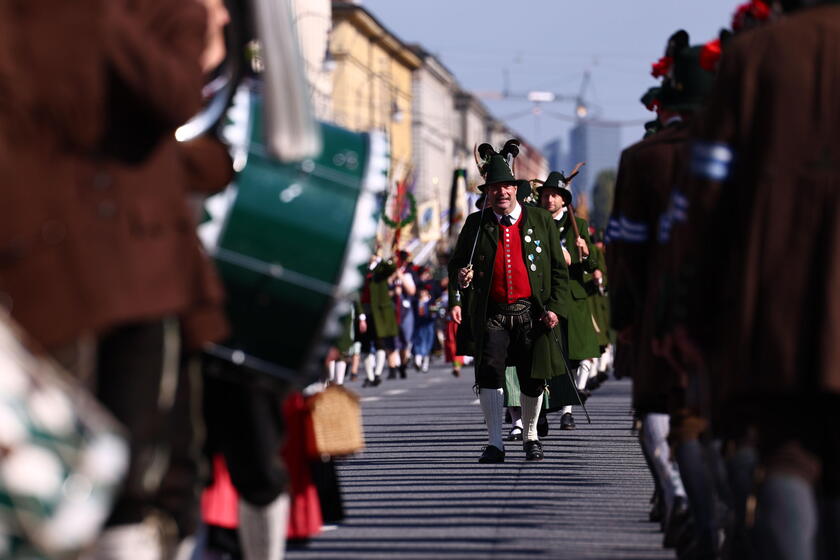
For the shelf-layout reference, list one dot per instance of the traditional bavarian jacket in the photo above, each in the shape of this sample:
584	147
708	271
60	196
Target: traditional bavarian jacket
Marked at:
581	336
548	278
647	174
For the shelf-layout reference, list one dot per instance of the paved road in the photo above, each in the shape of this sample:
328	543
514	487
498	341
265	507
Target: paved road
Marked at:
417	491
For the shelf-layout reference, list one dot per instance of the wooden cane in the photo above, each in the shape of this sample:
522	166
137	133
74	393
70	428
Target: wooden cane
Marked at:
575	230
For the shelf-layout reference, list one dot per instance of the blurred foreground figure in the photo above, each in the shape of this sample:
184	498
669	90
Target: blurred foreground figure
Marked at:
768	166
99	260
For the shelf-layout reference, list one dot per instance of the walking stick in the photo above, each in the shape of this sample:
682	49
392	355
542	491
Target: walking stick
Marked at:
469	266
568	368
569	376
573	222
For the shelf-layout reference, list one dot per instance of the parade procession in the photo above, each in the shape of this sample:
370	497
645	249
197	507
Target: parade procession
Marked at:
276	280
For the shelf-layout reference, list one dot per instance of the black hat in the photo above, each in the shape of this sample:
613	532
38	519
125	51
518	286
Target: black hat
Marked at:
686	83
650	99
556	180
495	167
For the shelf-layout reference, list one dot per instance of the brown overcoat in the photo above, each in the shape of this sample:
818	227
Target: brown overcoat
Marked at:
94	225
647	174
769	315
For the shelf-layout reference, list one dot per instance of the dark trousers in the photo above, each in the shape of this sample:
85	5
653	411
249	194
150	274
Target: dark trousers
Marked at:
133	370
508	340
245	424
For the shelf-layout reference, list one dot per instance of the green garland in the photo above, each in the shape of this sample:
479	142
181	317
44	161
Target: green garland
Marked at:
412	214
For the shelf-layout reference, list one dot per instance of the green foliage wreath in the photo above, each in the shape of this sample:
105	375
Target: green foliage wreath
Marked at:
412	214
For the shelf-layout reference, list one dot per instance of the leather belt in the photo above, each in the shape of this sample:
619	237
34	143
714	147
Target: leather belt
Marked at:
519	307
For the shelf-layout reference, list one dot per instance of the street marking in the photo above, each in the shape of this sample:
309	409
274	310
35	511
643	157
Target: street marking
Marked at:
370	399
396	391
476	401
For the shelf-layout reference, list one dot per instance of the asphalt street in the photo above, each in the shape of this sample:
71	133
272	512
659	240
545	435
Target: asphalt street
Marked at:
418	492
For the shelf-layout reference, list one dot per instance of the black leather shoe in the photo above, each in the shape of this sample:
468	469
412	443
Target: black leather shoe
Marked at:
542	425
376	381
656	508
533	450
492	454
515	434
567	421
678	523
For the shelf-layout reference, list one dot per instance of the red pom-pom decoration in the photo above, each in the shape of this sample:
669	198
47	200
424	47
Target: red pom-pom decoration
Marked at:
662	66
710	55
754	11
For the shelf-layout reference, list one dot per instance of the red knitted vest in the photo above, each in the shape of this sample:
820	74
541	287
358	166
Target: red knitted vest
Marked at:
510	277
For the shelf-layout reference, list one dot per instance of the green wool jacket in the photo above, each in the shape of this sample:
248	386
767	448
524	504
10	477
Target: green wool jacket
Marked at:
382	309
599	303
581	335
549	279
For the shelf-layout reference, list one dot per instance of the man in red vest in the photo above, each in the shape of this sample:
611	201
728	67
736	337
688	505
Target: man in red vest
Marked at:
509	258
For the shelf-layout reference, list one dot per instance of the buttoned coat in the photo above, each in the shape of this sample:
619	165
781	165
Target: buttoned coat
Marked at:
548	278
581	336
769	316
382	307
94	226
599	303
647	174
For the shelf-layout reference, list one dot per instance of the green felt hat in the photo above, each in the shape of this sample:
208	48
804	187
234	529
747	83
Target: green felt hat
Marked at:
495	167
687	83
557	180
651	98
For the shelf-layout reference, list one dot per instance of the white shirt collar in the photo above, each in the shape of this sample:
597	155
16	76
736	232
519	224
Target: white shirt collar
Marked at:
560	213
513	215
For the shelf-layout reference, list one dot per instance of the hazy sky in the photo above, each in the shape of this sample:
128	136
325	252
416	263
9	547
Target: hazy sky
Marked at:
549	44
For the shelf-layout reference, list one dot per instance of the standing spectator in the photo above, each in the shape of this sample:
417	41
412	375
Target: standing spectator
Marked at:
424	333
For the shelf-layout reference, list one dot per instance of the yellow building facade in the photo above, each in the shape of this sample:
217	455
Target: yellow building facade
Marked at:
372	80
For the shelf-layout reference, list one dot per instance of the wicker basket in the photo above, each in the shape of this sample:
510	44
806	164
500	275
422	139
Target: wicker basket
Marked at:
335	423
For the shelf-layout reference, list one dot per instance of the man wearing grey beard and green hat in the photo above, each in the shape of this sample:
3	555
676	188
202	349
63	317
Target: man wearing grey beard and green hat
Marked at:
509	260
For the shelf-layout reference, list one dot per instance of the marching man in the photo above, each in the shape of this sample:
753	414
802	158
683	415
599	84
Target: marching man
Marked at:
510	259
581	338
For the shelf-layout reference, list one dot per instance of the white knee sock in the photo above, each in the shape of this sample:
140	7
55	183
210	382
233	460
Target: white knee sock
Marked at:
425	363
492	405
370	361
603	361
380	362
127	542
262	530
340	371
567	408
331	368
418	360
582	374
654	434
530	414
